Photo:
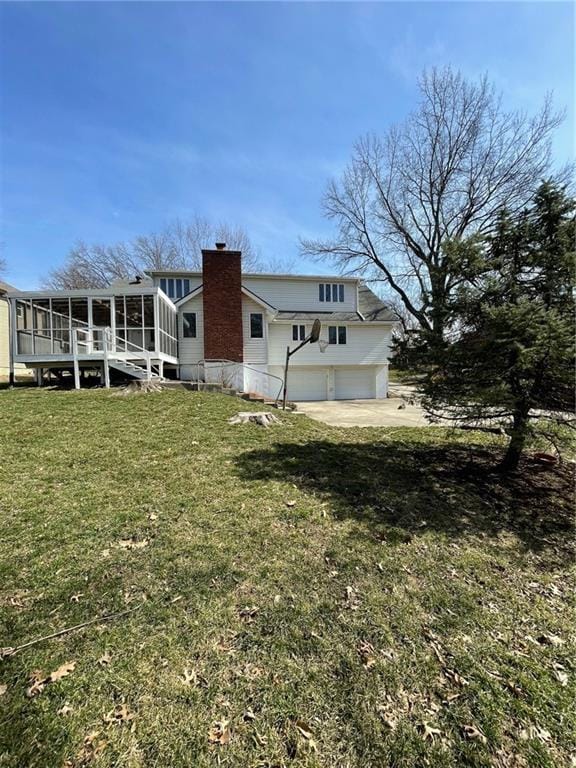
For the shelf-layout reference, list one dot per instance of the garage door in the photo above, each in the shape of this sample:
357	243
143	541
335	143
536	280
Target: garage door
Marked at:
307	384
354	383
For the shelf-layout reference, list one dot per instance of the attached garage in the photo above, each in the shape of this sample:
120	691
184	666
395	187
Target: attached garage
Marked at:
307	384
355	383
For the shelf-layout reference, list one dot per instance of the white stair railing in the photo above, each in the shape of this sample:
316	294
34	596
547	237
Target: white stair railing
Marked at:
261	377
87	341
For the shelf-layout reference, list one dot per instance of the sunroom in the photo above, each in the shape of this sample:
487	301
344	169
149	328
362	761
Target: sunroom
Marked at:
131	328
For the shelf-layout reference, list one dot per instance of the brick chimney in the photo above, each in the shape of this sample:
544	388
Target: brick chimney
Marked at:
222	298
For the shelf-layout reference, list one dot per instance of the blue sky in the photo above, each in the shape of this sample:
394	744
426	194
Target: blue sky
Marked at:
118	117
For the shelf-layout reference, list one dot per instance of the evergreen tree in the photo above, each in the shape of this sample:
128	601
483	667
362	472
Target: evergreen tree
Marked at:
511	353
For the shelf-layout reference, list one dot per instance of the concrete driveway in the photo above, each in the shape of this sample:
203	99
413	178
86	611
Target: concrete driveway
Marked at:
395	411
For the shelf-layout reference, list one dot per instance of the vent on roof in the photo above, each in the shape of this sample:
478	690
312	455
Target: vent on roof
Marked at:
220	246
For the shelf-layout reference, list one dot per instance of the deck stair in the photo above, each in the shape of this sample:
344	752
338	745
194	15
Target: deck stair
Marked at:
131	368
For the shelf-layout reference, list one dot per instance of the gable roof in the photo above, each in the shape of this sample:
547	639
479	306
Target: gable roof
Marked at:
246	291
372	308
256	275
190	295
6	287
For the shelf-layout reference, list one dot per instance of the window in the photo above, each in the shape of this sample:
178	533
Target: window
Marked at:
178	287
298	332
256	325
331	292
337	334
185	286
163	285
189	325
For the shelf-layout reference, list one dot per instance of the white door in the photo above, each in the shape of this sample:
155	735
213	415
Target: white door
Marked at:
355	383
307	384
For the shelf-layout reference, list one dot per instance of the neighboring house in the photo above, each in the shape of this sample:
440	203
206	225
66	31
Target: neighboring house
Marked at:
216	325
20	370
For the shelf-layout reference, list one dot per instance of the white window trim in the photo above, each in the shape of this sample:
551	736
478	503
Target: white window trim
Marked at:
324	288
337	342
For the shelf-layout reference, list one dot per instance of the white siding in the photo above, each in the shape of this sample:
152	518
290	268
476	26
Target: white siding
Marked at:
286	294
19	369
255	350
191	350
194	281
4	341
366	345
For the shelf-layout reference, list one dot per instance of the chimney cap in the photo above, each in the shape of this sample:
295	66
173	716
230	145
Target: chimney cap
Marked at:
220	246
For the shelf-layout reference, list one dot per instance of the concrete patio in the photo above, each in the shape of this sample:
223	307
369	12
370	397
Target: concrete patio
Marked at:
395	411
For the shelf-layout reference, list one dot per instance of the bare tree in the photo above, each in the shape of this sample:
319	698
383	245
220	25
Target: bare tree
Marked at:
442	175
177	246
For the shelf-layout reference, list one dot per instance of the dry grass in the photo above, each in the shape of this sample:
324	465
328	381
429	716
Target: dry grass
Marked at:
309	596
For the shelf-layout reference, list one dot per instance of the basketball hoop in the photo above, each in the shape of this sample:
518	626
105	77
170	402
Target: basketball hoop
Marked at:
311	339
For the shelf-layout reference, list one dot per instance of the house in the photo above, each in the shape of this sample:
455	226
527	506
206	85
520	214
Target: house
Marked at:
20	371
215	325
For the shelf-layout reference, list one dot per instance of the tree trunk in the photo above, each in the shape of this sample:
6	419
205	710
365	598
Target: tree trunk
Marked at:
517	442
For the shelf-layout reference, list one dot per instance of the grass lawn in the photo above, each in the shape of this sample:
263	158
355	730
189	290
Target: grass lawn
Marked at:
305	595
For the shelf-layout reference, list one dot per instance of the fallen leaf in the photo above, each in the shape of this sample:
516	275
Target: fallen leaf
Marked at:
304	730
451	697
120	714
3	689
550	640
514	687
91	748
535	732
388	718
259	739
352	599
428	732
249	715
63	671
455	677
248	612
290	503
473	733
133	543
366	653
39	681
76	598
191	677
249	671
105	659
220	733
65	710
561	676
152	516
